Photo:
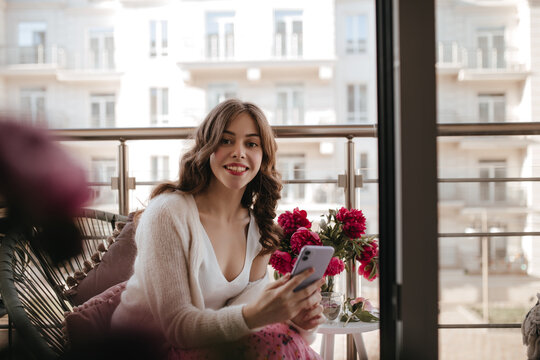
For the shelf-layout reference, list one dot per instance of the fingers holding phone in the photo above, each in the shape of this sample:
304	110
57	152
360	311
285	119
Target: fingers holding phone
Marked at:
310	318
287	297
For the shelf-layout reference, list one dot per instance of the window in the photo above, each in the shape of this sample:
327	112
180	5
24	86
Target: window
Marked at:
33	103
292	167
288	33
102	110
356	32
101	171
220	92
31	42
101	48
492	191
490	48
159	38
290	105
159	106
356	103
220	35
491	107
159	166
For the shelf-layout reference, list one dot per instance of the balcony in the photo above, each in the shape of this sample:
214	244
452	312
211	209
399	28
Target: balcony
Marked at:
479	64
215	58
54	60
484	193
30	60
91	65
452	116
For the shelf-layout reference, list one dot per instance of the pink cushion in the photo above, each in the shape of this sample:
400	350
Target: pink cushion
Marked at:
92	320
115	266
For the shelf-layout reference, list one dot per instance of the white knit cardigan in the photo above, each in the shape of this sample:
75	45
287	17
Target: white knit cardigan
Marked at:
163	295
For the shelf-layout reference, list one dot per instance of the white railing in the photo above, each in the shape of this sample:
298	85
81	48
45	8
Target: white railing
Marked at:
32	55
451	54
57	57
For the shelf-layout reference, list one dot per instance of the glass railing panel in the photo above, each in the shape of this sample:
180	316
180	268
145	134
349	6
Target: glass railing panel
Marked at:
316	161
100	161
152	162
500	293
488	276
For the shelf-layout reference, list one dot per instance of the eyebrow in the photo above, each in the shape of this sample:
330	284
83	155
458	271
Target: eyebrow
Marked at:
248	135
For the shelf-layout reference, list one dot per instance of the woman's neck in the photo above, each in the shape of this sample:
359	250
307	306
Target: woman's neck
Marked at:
220	202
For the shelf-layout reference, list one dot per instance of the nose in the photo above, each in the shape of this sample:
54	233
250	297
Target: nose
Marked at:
239	151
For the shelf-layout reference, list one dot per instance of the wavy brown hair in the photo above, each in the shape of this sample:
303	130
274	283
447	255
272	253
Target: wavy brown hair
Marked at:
261	194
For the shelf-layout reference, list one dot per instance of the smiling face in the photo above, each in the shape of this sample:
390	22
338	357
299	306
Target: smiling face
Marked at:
237	159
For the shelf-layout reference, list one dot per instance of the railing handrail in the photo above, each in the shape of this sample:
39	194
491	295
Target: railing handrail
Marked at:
168	133
304	131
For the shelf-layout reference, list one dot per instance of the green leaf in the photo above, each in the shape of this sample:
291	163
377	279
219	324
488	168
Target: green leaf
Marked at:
366	316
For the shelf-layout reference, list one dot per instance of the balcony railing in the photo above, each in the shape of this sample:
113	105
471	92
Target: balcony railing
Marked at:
349	180
453	55
32	55
57	57
445	116
482	192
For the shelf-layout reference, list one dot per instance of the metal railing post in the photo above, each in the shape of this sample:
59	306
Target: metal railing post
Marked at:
350	202
123	188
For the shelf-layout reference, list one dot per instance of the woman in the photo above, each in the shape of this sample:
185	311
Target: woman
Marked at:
203	247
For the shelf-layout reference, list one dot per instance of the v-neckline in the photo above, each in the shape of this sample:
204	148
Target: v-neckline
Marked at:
211	246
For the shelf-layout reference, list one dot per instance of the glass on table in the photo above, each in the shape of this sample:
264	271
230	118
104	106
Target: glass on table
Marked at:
331	302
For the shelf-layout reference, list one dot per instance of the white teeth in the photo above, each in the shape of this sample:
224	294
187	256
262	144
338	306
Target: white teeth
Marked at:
236	168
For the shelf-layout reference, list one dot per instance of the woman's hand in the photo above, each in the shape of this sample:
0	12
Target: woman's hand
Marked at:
309	319
278	302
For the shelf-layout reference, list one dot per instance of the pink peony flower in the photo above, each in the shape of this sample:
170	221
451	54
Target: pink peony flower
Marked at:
358	300
354	222
303	237
291	221
282	262
362	302
370	251
336	266
365	269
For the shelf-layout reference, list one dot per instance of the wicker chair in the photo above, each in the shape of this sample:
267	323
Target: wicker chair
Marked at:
33	289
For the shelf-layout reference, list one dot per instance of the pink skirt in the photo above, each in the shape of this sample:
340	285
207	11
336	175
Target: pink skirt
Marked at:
276	341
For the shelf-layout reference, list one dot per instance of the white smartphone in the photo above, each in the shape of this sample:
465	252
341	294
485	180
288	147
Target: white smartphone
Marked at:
317	257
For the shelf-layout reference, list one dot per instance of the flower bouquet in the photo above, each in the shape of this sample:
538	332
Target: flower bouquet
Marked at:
342	229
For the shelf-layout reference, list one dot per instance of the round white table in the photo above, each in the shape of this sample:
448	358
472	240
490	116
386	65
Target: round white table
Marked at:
330	329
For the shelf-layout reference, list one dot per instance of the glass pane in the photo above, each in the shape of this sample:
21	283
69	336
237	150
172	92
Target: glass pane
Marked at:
165	101
483	112
153	38
153	105
281	111
499	110
110	113
350	99
164	34
298	107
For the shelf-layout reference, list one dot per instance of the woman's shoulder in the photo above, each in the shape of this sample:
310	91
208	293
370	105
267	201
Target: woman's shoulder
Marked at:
175	203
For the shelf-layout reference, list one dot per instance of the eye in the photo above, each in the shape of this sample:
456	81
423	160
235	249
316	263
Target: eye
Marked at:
226	141
252	144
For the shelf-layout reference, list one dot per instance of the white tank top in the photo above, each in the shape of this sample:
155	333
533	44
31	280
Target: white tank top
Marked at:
216	289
